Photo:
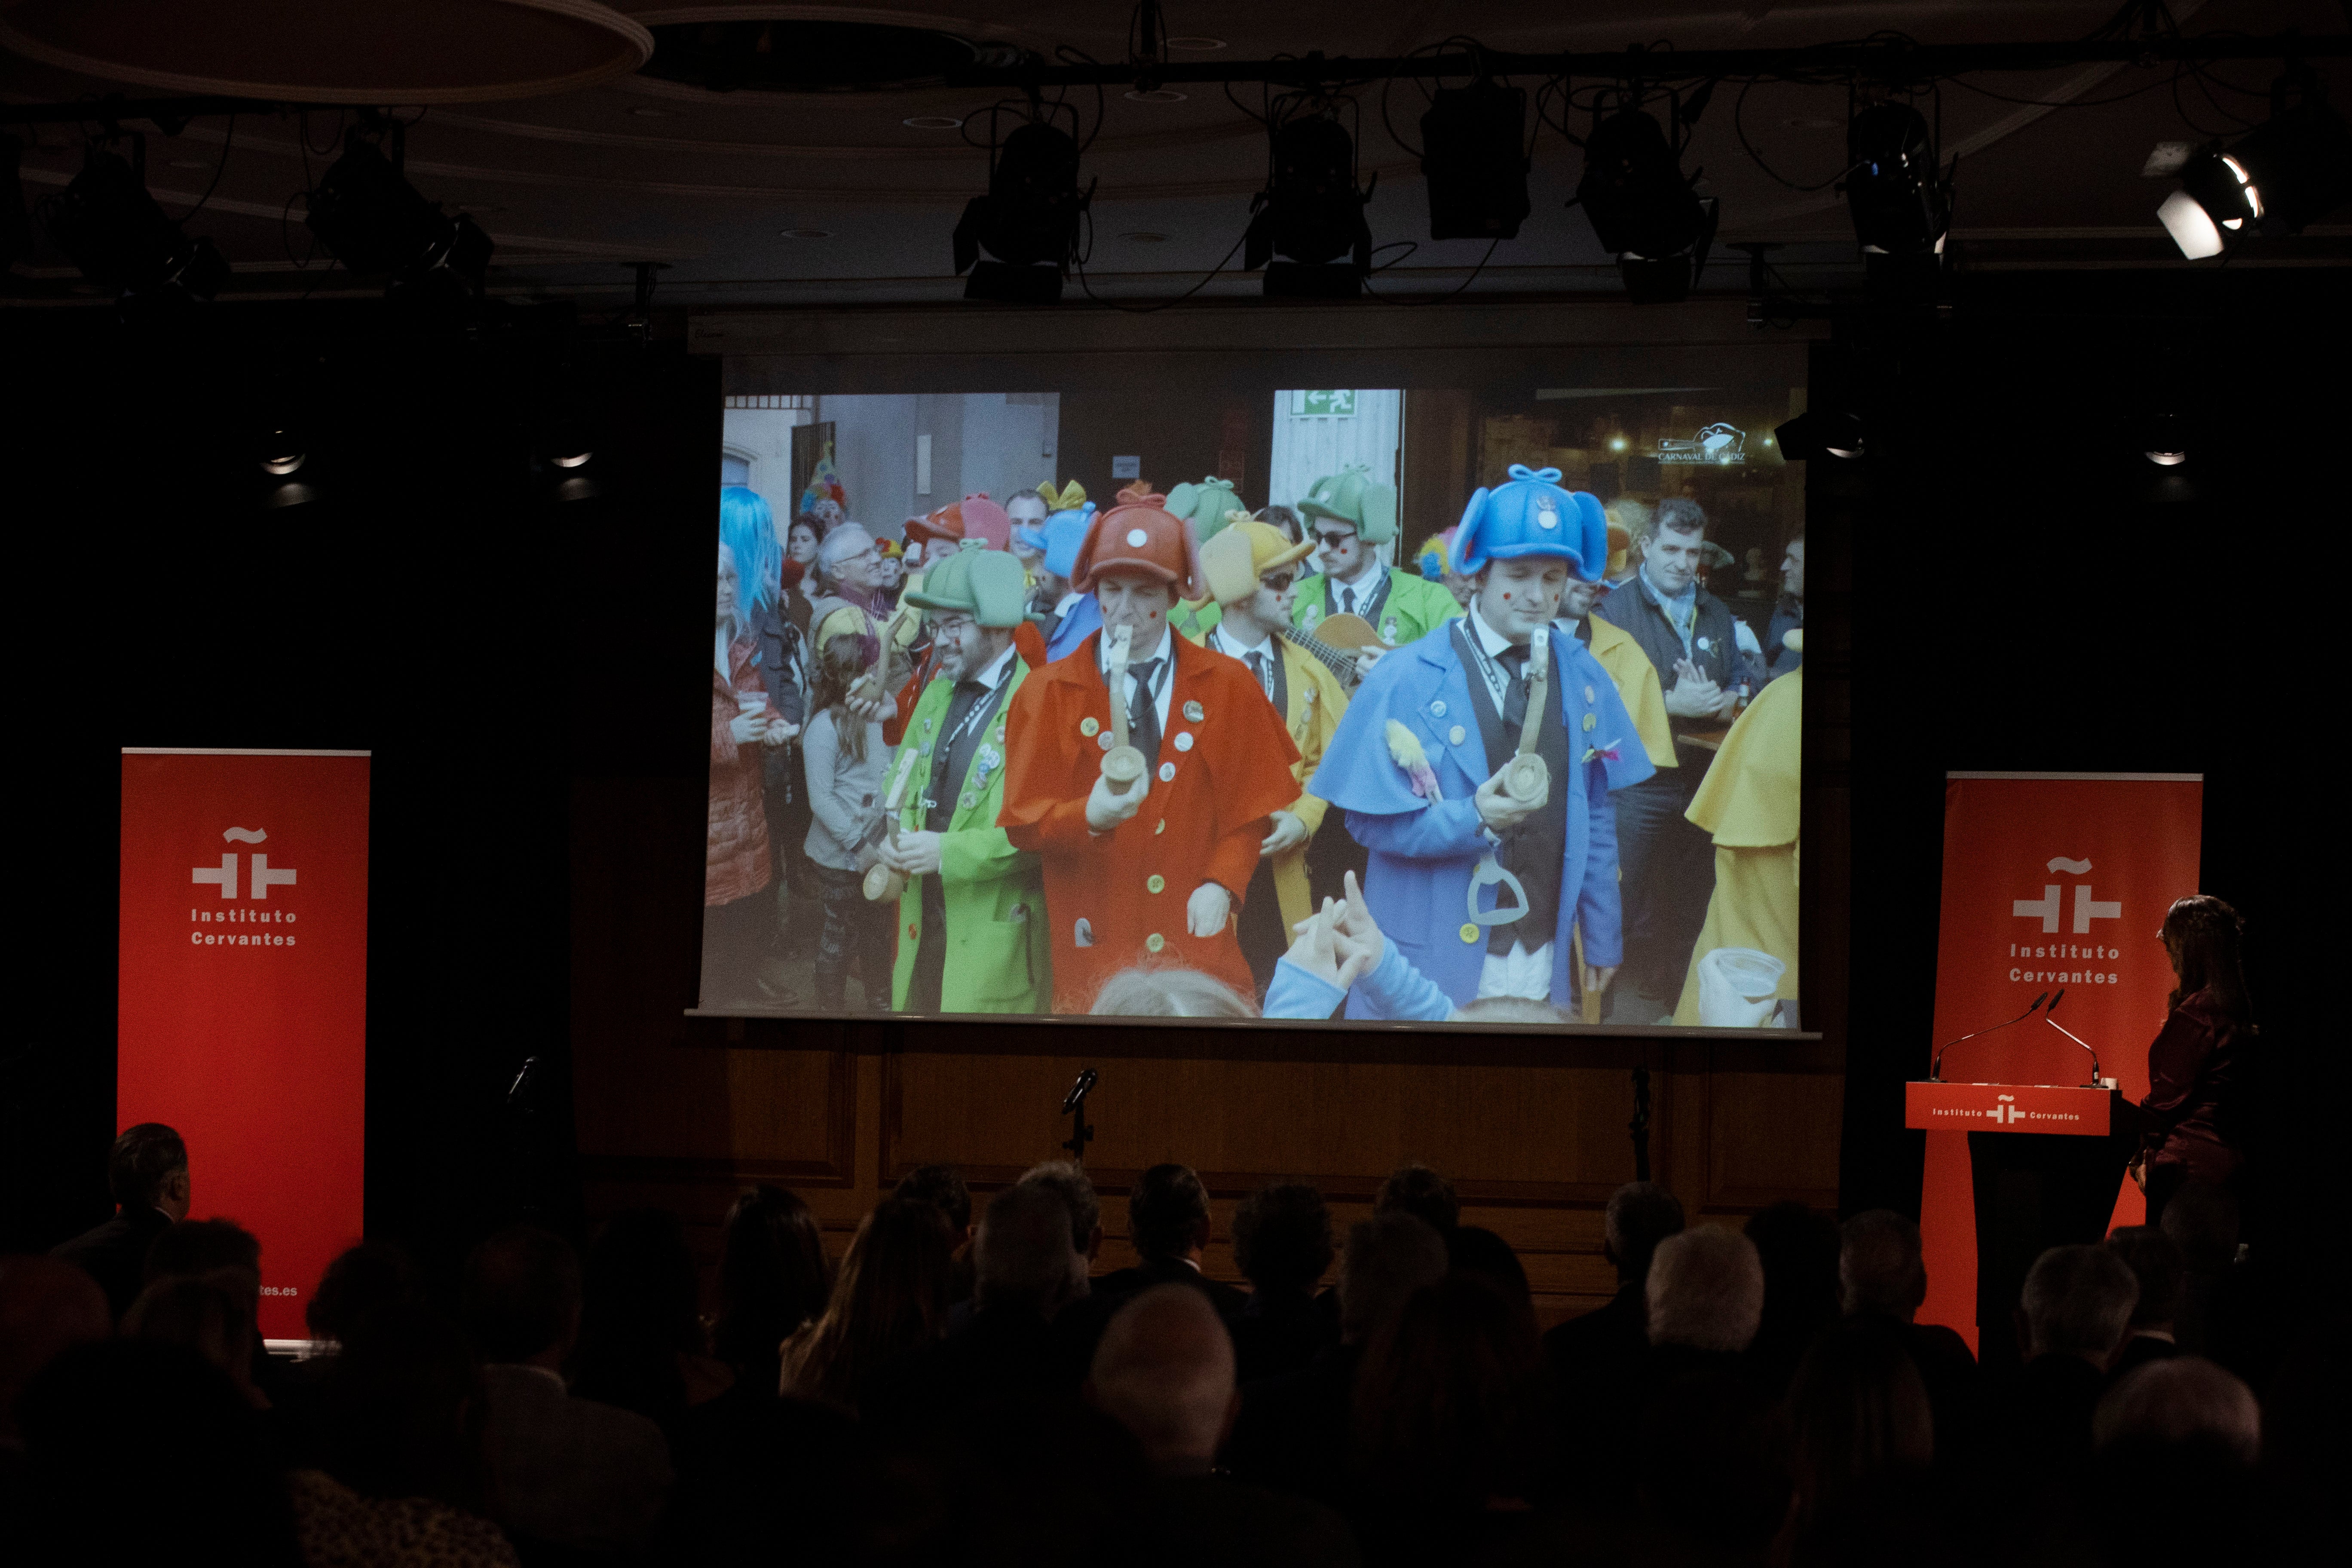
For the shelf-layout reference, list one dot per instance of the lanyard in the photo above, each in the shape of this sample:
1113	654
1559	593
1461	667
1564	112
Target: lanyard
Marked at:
1497	680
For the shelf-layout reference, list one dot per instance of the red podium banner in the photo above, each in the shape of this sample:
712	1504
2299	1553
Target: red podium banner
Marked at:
2052	882
2006	1107
242	983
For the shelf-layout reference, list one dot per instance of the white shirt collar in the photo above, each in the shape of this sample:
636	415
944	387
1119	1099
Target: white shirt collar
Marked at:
1068	599
1493	641
1365	588
1234	645
1102	652
993	676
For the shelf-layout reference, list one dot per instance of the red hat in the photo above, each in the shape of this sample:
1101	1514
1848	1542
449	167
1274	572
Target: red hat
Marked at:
1140	535
945	523
986	520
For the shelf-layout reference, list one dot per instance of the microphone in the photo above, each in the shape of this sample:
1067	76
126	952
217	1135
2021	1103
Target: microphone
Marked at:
1079	1092
1935	1071
2097	1078
514	1090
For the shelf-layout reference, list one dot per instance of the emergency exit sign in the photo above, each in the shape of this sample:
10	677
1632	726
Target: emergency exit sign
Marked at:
1333	404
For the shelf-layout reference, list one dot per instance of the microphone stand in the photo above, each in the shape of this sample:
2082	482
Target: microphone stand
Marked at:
1073	1106
1936	1070
2098	1078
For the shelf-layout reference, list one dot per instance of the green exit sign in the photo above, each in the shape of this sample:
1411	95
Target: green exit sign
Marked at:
1338	405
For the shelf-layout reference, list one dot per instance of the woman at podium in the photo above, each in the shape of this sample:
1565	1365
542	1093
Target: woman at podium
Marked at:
2196	1069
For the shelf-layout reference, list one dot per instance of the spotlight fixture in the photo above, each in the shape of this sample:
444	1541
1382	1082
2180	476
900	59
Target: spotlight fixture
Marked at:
2294	167
1820	434
1473	155
114	232
2164	440
281	449
1901	205
1028	221
372	220
1310	213
1643	209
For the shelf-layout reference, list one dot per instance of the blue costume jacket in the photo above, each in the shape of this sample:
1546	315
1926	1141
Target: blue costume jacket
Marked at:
1423	854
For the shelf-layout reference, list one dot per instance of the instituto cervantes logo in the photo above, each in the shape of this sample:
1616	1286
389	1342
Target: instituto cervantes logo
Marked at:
255	884
2048	909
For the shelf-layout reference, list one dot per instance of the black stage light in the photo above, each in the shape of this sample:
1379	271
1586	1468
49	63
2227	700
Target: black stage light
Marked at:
16	227
1310	214
1901	205
1642	208
1028	221
2164	439
114	232
1473	153
1812	436
282	447
2294	167
375	223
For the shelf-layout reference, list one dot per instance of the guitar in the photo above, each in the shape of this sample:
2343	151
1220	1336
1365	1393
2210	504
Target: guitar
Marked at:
1334	643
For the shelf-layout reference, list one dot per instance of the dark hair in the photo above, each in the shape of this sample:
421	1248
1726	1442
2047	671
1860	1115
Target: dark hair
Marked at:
1282	1237
808	520
521	1293
1711	1462
942	1186
1859	1412
1446	1411
1282	520
1164	1209
1067	1180
364	1277
1679	513
142	1159
1474	1251
1640	1215
201	1245
639	1309
1417	1190
889	1297
771	1280
1799	1249
400	1411
212	1314
838	665
2155	1261
2200	933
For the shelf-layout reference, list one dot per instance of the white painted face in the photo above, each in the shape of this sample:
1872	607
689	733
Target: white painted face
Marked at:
1520	596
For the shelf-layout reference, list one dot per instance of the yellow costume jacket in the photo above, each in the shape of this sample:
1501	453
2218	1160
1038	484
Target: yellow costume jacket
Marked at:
1317	702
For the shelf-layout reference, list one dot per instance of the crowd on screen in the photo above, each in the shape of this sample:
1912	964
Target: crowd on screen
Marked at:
969	1381
914	806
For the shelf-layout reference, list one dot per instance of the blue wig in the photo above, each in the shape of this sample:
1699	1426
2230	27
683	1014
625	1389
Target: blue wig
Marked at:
747	528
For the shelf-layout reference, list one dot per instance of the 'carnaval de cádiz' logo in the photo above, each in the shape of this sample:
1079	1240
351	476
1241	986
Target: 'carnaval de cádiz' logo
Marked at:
254	884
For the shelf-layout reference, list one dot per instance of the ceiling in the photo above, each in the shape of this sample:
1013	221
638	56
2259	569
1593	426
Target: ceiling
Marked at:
797	197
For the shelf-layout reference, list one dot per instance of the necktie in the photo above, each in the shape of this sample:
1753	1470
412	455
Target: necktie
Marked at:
1514	661
1258	668
1347	601
1142	712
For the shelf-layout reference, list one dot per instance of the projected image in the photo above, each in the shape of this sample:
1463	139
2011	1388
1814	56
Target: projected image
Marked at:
1427	706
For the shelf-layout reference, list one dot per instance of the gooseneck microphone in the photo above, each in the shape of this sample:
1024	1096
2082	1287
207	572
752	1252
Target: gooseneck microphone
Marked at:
1935	1071
1079	1092
2098	1078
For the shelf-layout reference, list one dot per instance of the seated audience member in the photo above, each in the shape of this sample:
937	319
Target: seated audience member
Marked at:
1476	1252
2076	1306
1450	1446
138	1451
771	1282
567	1472
361	1278
1609	1341
1799	1248
147	1176
890	1299
641	1341
1711	1477
1706	1293
45	1308
210	1314
1860	1423
1294	1431
402	1478
942	1186
227	1254
1165	1371
2155	1261
1282	1245
2173	1478
1414	1188
1168	1225
2182	1399
1067	1180
1024	1274
1883	1277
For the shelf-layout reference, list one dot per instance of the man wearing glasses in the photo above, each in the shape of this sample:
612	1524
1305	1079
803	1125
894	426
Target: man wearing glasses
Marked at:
1349	518
971	926
1252	571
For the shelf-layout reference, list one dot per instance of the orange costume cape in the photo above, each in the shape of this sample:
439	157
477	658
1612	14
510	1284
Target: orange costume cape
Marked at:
1224	768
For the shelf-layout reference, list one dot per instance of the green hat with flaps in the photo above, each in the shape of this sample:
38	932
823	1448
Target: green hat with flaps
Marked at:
1204	505
989	585
1353	497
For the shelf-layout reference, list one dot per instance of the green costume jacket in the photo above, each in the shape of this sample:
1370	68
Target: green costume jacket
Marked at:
1415	607
998	956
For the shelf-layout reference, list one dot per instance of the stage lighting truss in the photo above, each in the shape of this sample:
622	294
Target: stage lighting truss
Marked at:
1028	222
116	235
369	218
1311	213
1900	200
2278	177
1643	209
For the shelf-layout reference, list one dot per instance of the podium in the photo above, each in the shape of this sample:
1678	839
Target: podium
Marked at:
2044	1163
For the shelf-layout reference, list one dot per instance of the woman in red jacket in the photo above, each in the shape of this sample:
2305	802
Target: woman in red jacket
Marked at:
2196	1069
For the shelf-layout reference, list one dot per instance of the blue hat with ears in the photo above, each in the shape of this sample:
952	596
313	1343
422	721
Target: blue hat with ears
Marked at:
1531	515
1065	531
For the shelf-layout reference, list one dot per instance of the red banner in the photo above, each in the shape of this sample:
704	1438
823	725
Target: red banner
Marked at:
243	992
2052	882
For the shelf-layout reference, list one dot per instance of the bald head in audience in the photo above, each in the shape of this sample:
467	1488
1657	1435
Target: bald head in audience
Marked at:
2078	1301
2183	1400
1165	1371
1705	1290
1880	1268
